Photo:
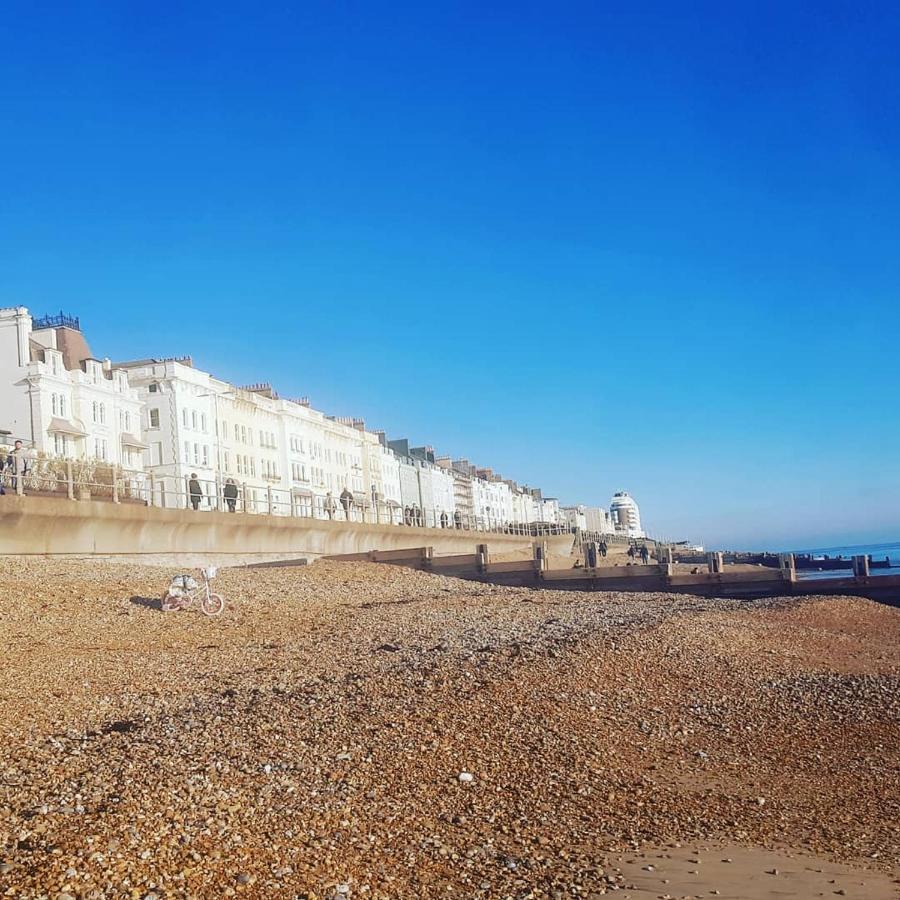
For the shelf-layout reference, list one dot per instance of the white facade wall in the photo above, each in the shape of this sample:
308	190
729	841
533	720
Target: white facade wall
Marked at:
524	509
598	520
276	450
91	412
410	495
574	517
492	501
548	511
441	485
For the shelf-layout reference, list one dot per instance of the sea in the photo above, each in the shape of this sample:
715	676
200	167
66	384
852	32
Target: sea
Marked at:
878	552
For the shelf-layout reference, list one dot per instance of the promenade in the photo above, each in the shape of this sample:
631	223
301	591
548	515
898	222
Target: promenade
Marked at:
356	730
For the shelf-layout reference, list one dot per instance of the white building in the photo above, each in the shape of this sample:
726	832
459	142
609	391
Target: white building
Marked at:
286	457
597	520
492	501
59	399
625	515
574	517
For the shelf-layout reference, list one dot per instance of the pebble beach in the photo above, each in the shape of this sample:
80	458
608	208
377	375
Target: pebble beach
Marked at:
360	730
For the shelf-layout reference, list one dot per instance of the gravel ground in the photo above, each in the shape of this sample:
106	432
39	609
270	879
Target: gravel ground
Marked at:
370	731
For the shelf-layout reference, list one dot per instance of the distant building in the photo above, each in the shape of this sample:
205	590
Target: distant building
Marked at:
626	516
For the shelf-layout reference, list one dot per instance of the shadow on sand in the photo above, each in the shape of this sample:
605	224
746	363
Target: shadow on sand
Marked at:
148	602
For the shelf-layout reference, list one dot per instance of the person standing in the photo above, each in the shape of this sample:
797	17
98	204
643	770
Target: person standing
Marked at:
645	554
17	464
195	491
604	549
346	502
231	494
330	505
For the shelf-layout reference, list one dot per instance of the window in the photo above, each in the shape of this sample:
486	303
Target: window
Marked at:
127	421
95	415
100	448
54	404
227	465
156	454
184	417
252	465
203	422
196	454
62	405
154	387
187	452
194	419
54	364
206	455
154	418
61	444
102	413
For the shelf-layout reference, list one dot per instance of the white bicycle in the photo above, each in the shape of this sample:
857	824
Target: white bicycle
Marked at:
184	592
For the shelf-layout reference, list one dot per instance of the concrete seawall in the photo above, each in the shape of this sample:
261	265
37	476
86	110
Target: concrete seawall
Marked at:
61	527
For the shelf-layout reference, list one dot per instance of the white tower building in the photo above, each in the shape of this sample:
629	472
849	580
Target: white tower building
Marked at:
625	515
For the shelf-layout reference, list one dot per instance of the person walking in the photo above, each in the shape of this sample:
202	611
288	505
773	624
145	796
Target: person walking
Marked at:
17	464
346	502
457	519
631	551
444	520
231	494
603	549
330	505
645	554
195	491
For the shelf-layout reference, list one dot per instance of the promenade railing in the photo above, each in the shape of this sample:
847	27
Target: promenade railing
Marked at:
100	481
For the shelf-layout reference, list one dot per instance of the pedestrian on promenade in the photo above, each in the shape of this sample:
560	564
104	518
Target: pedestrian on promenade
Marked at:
195	491
231	494
631	551
645	554
444	520
603	549
346	502
330	505
457	519
17	464
407	516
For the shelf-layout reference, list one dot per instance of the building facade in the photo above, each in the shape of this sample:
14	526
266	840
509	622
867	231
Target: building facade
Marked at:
60	400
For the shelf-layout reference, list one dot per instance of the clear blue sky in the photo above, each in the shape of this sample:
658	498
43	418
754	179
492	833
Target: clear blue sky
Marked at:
641	246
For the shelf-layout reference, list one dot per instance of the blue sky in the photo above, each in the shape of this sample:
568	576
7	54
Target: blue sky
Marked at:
641	246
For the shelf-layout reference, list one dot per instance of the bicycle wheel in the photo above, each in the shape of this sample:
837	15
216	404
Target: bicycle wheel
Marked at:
212	604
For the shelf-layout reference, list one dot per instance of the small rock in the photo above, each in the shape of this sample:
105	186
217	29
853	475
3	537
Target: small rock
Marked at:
466	777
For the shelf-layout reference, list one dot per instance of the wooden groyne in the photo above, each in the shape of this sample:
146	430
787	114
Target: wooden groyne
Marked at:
718	581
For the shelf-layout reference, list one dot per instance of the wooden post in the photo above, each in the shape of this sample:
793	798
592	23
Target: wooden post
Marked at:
714	562
861	566
539	549
70	480
590	554
484	559
788	566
